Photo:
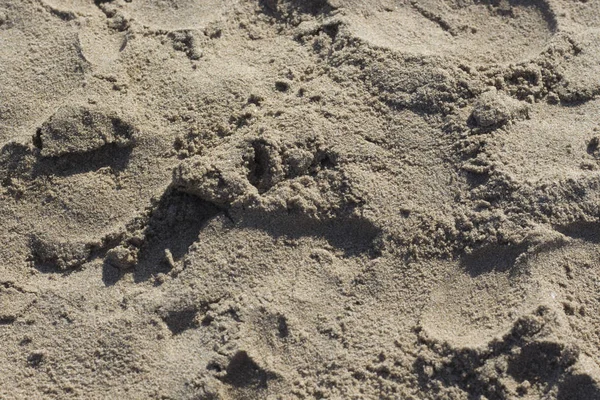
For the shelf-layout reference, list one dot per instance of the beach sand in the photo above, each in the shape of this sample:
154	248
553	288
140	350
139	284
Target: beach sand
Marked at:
300	199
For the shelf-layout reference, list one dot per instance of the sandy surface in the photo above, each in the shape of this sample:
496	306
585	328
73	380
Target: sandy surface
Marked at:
298	199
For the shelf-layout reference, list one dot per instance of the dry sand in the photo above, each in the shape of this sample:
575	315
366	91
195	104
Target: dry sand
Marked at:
298	199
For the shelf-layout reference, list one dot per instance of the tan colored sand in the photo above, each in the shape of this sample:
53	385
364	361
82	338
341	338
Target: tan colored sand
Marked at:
299	199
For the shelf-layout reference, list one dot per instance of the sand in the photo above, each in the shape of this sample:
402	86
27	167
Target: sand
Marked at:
299	199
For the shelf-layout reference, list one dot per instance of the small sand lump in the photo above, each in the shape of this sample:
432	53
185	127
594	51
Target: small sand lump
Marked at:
74	129
494	109
122	257
59	254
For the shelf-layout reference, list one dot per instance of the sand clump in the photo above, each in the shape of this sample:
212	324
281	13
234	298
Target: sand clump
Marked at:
78	130
331	199
492	110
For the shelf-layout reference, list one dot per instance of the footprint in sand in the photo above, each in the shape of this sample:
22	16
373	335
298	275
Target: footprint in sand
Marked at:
172	15
100	45
484	295
490	288
469	311
39	66
77	7
586	13
483	32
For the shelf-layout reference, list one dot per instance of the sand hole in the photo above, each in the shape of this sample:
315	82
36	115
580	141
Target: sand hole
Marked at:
179	321
243	371
539	361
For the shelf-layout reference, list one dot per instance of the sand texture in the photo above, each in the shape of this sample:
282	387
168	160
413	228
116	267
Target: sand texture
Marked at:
300	199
